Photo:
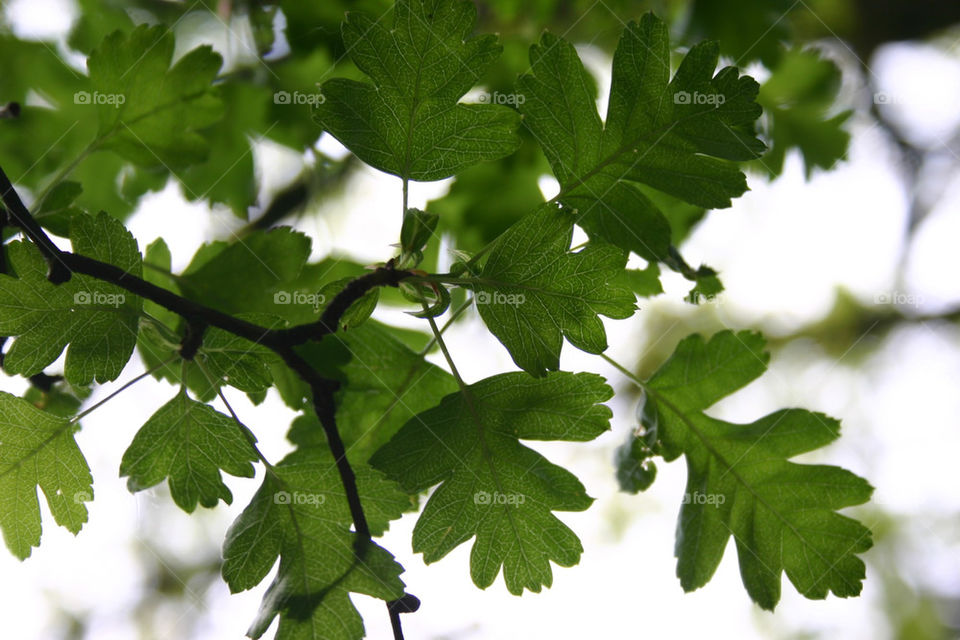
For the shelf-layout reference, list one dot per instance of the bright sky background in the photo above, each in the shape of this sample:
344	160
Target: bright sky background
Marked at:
783	250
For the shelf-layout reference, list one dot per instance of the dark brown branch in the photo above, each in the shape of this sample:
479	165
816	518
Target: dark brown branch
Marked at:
329	320
282	342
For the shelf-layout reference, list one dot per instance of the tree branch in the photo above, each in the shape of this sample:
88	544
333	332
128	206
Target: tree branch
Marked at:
282	342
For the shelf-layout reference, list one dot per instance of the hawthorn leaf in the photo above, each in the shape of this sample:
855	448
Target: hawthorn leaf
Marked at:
97	19
189	443
37	449
97	319
418	228
408	121
223	358
236	361
150	112
50	132
681	136
493	487
300	514
740	482
532	291
708	287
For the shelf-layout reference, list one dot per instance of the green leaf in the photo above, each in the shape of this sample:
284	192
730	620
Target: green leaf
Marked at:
227	174
37	449
97	19
223	358
236	361
476	219
58	208
149	112
356	313
747	29
98	320
59	400
418	228
680	136
645	282
189	443
532	291
798	98
300	514
160	333
635	469
247	275
408	122
49	135
493	487
740	482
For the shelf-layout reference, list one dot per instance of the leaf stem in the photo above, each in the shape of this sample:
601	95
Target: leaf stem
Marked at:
233	414
438	338
63	264
446	325
75	419
622	369
65	171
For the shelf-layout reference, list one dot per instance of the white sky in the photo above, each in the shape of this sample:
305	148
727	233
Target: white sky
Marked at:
783	250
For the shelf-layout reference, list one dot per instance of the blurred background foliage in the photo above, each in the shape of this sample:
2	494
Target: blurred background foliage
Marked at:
812	58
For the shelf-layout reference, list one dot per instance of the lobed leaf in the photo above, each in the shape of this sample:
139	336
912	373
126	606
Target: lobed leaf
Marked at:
491	486
37	449
300	514
408	121
680	136
740	482
189	443
532	291
98	320
150	112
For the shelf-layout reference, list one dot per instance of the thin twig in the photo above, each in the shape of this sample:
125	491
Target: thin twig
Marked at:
282	342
